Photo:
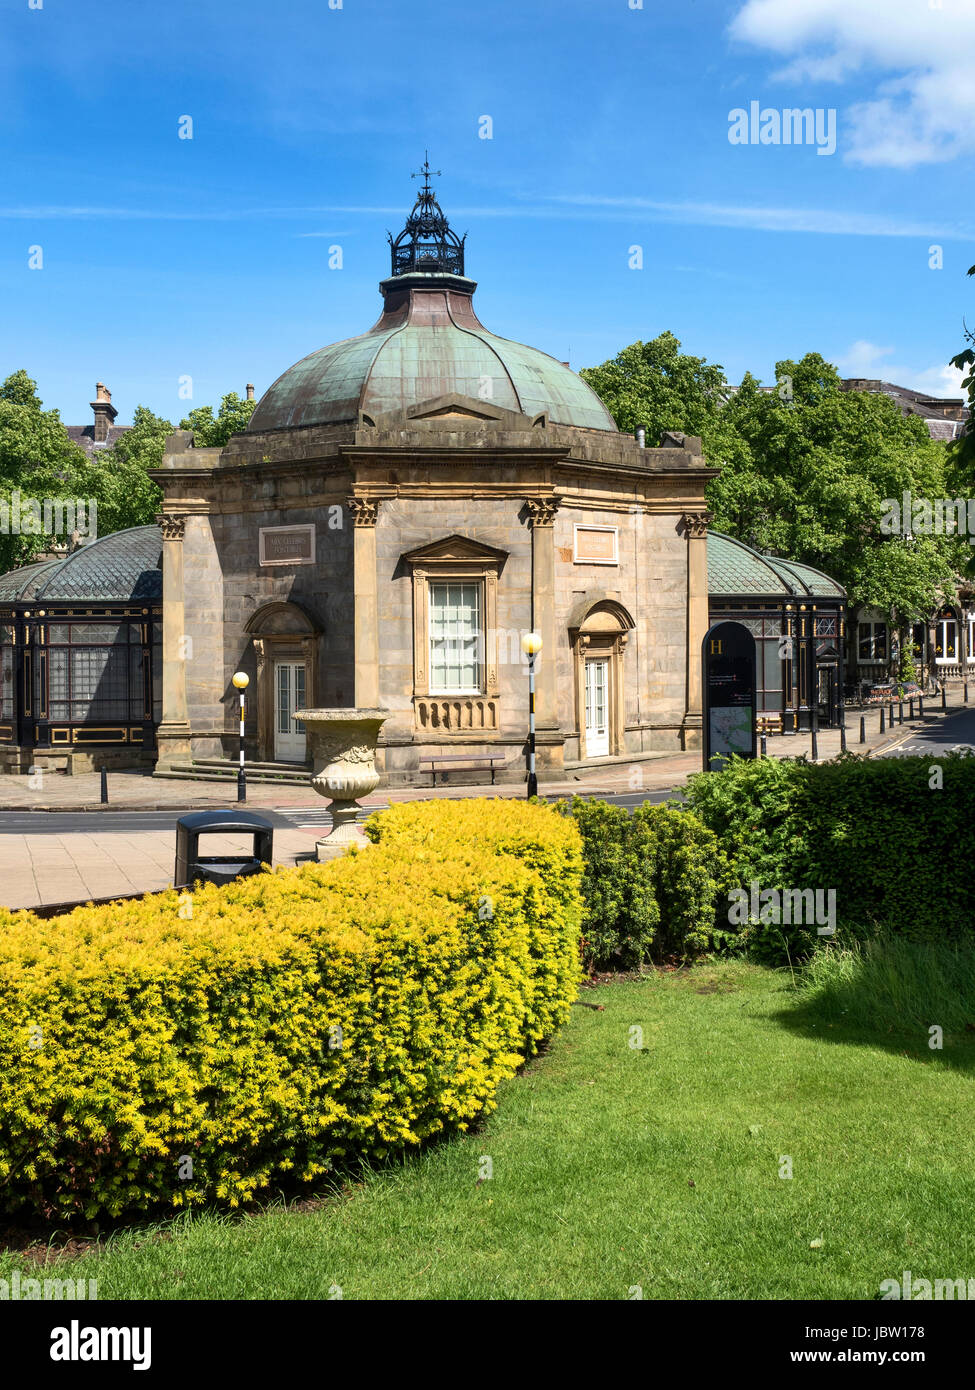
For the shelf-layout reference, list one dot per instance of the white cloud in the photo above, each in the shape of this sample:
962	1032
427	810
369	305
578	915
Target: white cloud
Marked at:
58	212
767	219
917	57
866	359
578	206
582	206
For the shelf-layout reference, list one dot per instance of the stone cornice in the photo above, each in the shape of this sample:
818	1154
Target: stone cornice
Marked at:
353	458
448	475
420	451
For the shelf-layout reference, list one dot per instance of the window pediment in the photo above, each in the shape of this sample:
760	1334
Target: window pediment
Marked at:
454	550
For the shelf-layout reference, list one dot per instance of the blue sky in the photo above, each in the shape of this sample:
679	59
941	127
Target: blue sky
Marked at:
208	258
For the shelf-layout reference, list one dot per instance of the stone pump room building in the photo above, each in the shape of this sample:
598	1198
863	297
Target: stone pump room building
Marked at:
403	507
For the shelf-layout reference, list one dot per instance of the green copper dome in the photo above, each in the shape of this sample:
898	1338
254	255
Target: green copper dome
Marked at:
427	343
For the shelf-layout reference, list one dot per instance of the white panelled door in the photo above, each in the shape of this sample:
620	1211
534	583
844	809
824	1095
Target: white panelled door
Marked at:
289	695
597	707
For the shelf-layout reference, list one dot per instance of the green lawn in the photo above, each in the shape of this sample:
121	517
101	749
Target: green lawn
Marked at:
616	1168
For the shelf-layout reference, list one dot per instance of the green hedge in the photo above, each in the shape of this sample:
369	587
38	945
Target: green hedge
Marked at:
184	1049
651	883
881	833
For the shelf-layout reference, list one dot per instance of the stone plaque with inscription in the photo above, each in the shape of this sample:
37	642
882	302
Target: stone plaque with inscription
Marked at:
287	545
596	544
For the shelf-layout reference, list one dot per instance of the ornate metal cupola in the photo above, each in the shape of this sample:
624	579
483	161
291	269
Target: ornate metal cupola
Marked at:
426	243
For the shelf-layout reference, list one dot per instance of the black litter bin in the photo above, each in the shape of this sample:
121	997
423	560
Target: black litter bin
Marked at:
194	867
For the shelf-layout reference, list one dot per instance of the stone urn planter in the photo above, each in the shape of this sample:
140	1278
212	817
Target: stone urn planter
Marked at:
343	751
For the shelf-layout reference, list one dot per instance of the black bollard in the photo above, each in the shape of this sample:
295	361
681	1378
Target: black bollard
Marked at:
900	711
863	728
910	709
881	719
814	726
920	707
104	786
944	699
764	746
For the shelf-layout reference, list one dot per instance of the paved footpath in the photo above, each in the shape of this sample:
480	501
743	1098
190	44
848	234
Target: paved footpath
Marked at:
126	850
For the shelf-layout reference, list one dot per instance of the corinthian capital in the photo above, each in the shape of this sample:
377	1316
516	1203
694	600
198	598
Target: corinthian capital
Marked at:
365	510
541	511
172	524
696	525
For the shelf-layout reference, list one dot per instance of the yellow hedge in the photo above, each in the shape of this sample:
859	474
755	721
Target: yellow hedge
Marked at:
150	1058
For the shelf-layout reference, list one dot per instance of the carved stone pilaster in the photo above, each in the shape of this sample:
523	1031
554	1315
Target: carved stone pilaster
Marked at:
173	733
365	514
541	520
696	531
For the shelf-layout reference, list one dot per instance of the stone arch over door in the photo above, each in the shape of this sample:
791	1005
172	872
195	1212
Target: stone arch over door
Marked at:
281	631
599	629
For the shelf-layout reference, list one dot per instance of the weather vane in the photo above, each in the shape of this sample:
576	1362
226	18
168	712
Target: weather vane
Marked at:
426	171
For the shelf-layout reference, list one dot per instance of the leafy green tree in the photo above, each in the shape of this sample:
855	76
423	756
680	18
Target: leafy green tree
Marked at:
119	477
962	459
211	430
805	466
661	388
20	389
819	465
37	460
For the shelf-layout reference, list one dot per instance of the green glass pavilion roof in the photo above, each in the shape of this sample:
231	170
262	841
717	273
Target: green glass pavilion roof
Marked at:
735	569
125	567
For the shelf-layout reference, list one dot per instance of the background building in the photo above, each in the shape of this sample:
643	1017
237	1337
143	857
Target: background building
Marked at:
797	616
80	656
945	417
103	432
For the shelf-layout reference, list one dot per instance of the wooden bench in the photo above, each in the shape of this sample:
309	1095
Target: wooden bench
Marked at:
435	763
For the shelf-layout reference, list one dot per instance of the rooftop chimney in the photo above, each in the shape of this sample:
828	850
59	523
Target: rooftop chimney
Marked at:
250	390
105	412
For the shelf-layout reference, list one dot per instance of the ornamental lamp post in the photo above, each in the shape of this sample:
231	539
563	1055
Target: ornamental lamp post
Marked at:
241	681
531	645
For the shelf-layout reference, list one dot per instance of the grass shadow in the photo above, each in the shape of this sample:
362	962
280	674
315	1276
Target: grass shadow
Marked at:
915	999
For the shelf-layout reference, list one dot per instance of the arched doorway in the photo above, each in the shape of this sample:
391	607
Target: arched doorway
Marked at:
599	629
285	637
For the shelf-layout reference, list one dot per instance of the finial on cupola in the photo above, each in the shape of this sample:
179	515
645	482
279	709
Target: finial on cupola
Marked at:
427	243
